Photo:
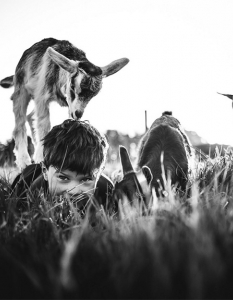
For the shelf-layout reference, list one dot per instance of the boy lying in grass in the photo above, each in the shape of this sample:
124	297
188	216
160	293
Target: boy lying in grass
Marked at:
74	158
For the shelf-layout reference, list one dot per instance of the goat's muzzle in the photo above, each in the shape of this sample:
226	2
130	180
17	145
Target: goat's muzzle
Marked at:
77	114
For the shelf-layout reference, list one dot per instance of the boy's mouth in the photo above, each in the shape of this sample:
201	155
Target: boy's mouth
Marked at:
80	201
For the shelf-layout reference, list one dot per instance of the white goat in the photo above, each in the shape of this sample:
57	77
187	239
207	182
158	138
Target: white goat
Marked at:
52	70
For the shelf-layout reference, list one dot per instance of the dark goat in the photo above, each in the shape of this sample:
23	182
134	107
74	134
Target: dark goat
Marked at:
52	70
7	156
165	139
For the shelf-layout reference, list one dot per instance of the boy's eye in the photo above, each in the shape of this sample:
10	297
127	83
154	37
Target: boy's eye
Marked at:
62	177
86	179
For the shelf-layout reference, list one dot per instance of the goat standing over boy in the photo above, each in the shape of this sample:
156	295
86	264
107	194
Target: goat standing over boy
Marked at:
52	70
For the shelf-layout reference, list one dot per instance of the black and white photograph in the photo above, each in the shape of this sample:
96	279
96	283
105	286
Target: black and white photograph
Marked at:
116	149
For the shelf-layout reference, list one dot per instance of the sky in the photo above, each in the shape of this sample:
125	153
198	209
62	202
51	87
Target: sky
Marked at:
180	52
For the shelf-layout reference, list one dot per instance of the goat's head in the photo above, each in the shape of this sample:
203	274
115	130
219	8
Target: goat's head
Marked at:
85	79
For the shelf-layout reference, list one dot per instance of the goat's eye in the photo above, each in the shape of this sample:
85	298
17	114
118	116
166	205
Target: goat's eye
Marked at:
86	82
96	83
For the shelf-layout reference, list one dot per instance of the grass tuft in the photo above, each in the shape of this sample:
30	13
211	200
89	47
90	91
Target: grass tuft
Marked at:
179	246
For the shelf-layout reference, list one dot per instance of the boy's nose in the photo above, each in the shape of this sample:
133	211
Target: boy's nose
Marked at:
73	196
73	193
74	188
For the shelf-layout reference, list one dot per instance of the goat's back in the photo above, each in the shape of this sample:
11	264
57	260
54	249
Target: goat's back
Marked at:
38	50
32	58
168	140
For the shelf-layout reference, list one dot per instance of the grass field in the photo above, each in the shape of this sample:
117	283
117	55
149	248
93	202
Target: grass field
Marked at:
180	246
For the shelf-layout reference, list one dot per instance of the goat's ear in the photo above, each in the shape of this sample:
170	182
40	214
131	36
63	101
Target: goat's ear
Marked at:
7	82
114	66
148	174
227	95
62	61
125	161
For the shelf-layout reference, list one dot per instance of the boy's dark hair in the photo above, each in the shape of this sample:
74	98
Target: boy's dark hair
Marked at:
76	146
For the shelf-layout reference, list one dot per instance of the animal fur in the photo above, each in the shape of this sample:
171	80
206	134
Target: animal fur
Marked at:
167	138
7	156
52	70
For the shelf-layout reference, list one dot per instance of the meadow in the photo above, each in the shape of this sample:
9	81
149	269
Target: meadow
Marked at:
180	246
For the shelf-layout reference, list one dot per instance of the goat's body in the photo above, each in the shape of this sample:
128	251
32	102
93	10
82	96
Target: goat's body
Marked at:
38	77
52	70
165	139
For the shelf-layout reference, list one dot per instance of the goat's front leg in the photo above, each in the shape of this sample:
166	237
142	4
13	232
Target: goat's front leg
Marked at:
43	126
30	120
20	99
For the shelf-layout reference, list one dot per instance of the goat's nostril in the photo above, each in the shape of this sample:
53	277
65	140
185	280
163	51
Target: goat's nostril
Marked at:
78	114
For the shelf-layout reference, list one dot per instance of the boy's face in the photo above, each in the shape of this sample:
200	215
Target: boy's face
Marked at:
77	187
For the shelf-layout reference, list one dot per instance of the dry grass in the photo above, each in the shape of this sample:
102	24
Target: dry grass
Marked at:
178	247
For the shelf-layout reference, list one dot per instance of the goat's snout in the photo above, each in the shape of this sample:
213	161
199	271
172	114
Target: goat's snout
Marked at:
77	115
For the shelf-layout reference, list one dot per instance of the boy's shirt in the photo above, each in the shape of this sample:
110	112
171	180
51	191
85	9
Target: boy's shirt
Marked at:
32	179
